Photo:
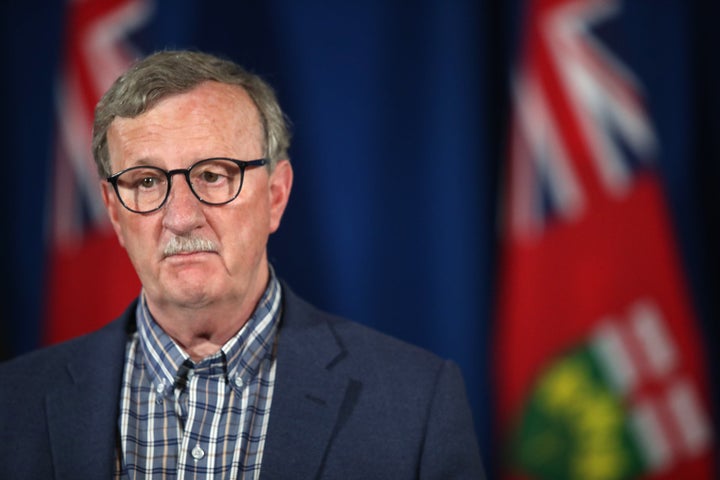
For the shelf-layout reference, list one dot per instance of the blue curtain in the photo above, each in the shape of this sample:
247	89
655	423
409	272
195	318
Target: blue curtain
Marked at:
399	112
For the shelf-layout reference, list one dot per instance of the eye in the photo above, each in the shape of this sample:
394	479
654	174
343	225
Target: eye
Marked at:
147	182
142	179
213	173
209	177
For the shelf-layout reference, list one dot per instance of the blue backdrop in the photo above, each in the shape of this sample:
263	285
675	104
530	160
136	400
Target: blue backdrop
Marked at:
399	112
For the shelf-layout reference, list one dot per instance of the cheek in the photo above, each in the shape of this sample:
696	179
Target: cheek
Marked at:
244	231
115	214
137	236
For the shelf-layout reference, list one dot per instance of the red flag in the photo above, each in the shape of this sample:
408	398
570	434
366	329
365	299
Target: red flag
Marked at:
600	371
90	279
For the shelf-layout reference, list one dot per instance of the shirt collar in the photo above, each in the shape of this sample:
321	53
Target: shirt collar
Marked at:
238	360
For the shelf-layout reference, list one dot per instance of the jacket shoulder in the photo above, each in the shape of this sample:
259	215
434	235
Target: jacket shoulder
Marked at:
361	344
44	366
401	400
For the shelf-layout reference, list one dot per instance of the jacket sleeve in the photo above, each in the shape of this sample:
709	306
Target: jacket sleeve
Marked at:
450	448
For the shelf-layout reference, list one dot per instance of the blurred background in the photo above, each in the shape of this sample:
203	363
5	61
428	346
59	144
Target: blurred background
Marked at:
404	215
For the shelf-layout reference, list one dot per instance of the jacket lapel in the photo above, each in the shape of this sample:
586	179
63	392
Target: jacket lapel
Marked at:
310	399
82	412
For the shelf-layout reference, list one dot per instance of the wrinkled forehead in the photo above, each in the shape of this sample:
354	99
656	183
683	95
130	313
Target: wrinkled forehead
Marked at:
212	119
213	95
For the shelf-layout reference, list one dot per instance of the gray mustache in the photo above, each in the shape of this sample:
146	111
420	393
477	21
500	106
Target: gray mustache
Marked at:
188	245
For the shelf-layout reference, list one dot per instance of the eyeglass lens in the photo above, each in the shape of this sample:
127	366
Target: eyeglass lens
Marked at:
213	181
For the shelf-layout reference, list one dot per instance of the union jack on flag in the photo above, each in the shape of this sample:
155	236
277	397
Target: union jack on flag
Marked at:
89	277
600	372
581	128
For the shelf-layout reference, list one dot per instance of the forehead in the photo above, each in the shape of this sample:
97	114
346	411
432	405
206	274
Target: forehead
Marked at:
212	119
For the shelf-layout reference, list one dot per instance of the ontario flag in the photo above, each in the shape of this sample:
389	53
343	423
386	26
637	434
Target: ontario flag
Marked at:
90	279
600	370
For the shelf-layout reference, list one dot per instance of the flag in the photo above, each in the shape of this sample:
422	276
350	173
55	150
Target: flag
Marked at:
90	278
600	369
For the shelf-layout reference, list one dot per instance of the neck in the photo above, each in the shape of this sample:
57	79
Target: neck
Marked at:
201	330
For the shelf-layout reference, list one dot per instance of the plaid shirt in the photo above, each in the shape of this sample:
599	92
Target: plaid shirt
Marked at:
186	420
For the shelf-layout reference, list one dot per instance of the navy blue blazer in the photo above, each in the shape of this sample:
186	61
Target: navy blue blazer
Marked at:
349	403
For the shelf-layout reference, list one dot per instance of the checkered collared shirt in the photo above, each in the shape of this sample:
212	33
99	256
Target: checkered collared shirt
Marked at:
186	420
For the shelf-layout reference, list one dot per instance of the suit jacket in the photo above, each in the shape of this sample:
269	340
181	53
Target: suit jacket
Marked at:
348	403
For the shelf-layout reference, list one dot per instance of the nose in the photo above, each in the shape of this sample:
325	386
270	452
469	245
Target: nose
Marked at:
182	212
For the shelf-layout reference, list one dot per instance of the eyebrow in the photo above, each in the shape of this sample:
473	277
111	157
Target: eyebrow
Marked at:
142	162
149	162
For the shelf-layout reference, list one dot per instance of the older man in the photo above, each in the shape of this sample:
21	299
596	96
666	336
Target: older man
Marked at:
218	370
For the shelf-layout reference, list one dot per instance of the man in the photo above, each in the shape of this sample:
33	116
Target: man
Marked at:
218	370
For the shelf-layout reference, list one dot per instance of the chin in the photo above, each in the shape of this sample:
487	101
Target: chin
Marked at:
190	291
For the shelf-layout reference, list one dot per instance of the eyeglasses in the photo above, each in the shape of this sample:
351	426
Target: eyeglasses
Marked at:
214	181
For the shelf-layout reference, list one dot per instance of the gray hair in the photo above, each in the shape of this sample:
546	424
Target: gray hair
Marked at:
168	73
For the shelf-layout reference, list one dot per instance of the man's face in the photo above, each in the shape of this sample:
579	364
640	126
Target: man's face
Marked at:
212	120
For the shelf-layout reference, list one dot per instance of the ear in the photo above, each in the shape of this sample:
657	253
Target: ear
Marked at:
280	183
113	207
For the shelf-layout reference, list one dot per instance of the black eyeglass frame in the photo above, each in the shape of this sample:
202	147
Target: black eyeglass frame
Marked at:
242	165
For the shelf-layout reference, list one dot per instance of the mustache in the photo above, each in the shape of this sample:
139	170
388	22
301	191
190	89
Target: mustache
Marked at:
180	244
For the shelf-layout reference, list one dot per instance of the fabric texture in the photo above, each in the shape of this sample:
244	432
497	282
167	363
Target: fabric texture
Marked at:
183	419
348	403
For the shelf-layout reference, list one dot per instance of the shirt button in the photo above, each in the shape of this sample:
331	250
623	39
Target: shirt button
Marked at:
160	388
239	382
198	452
